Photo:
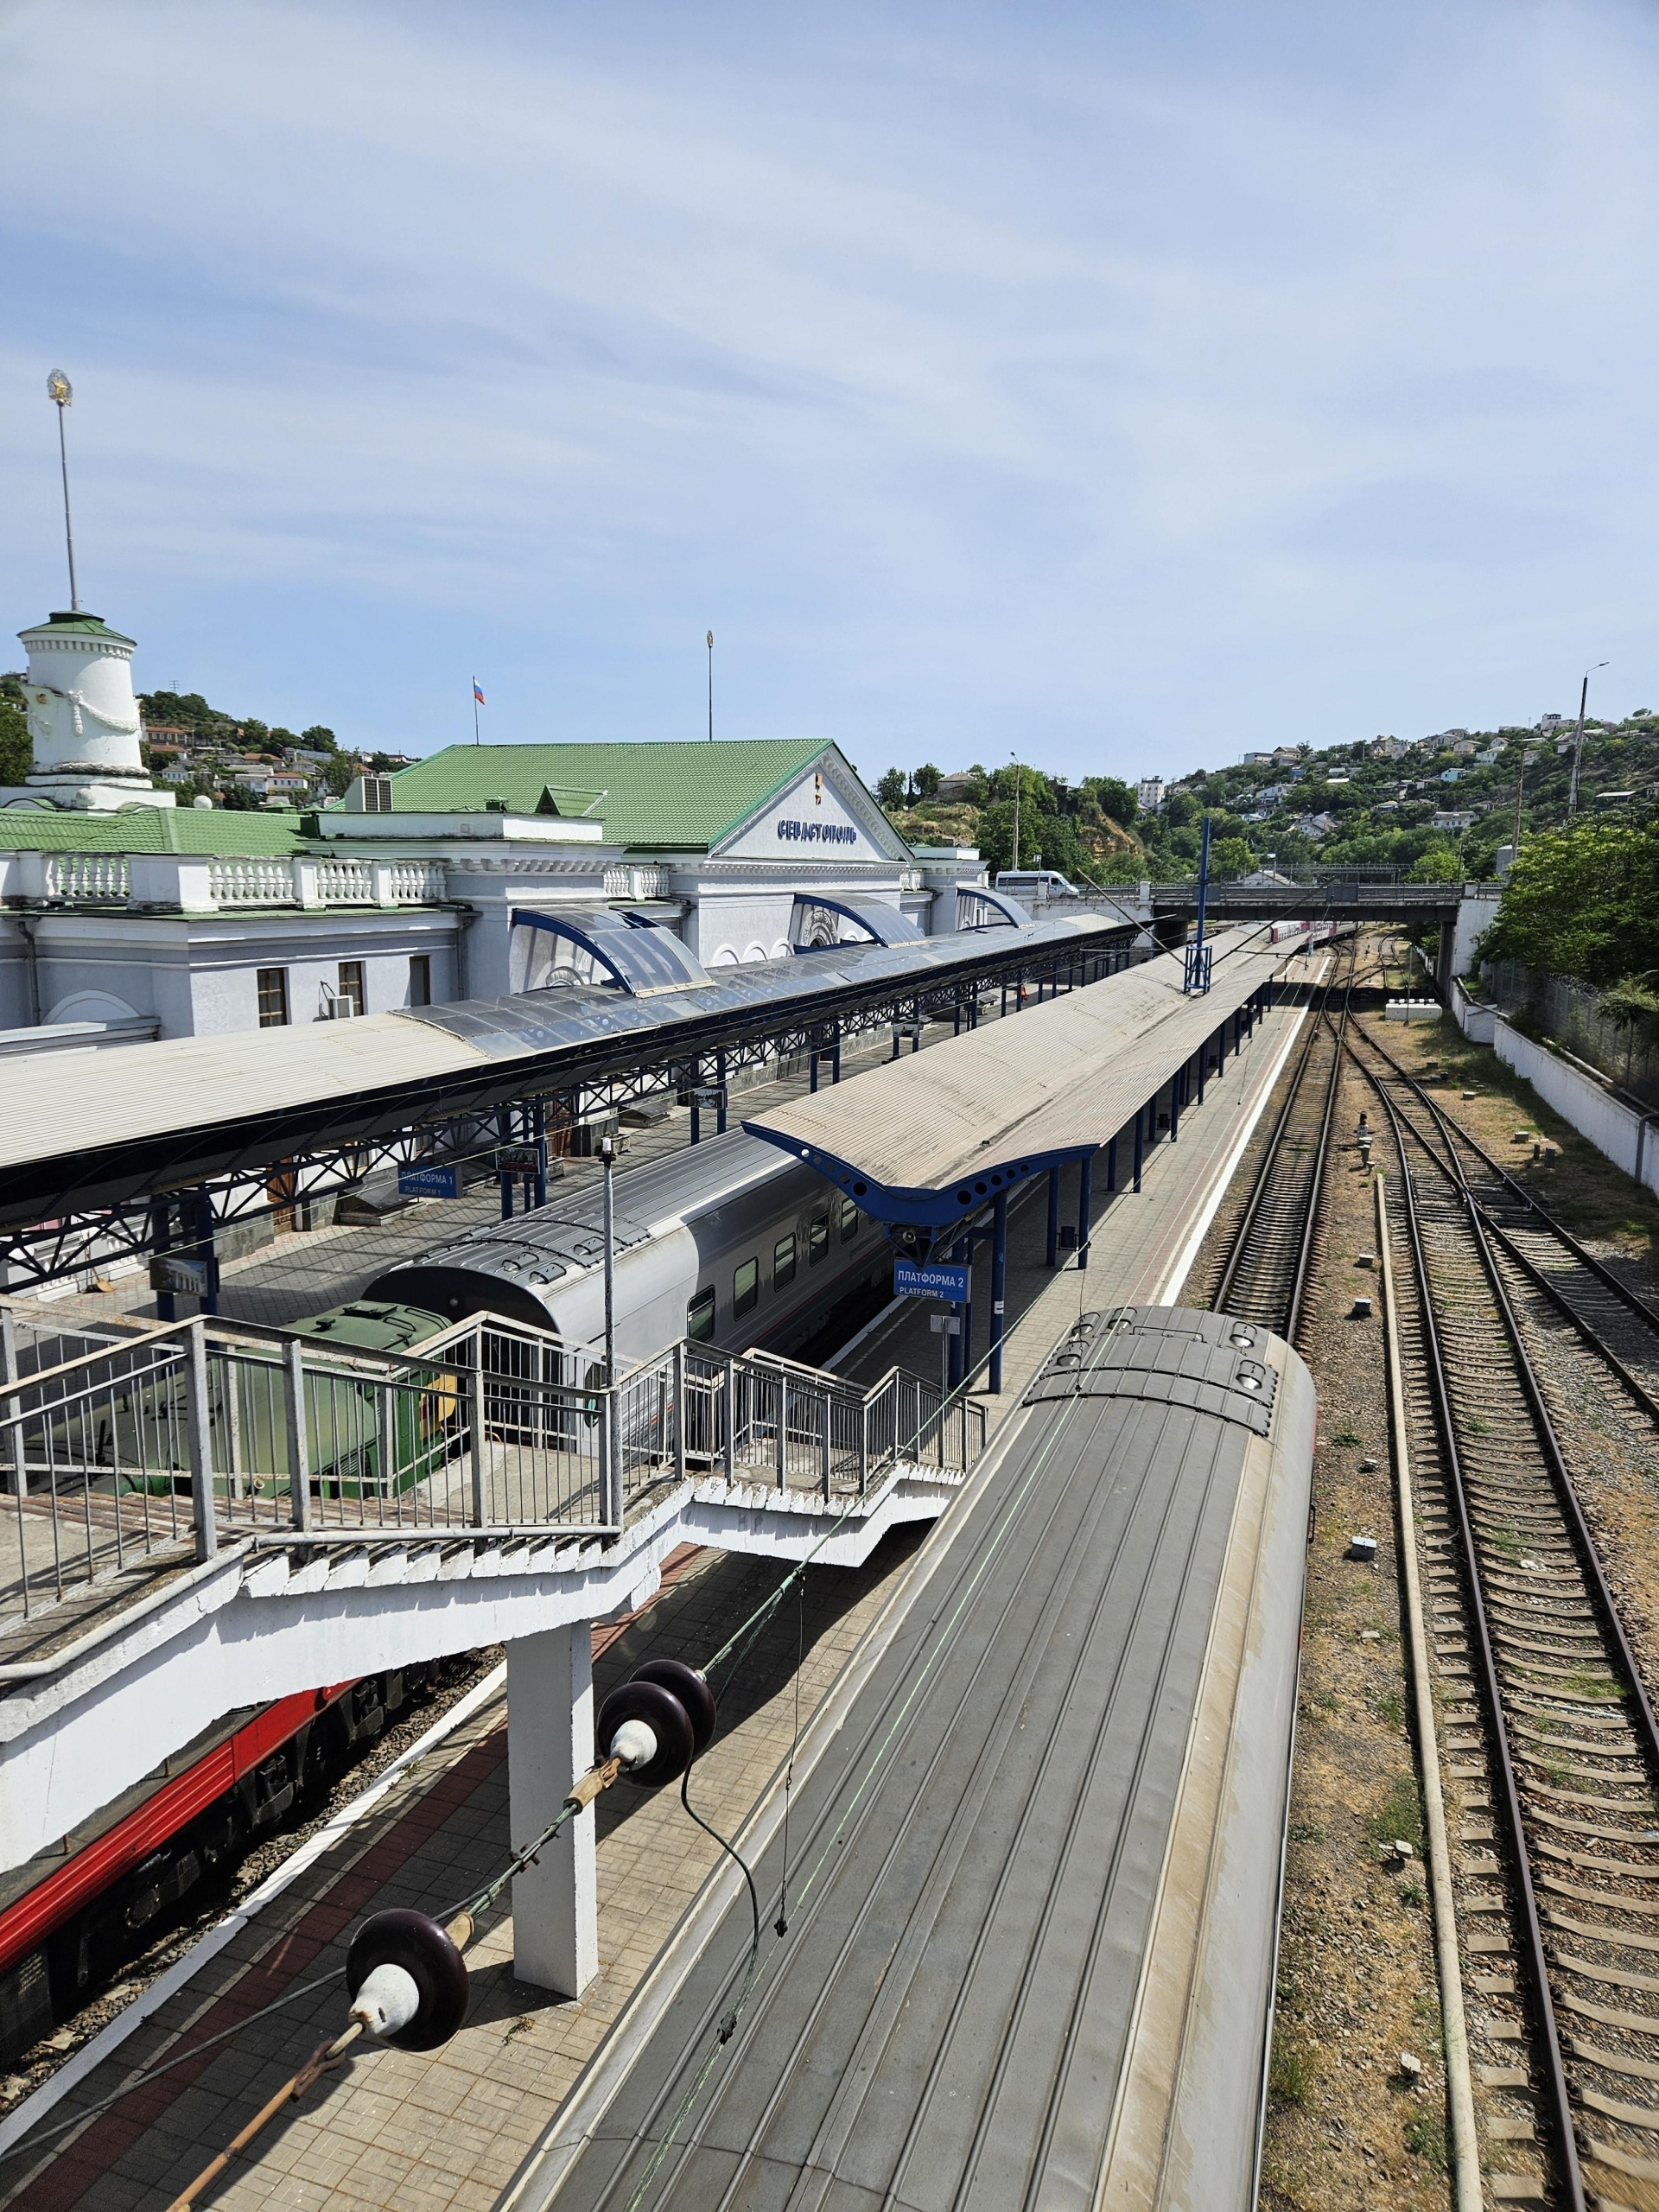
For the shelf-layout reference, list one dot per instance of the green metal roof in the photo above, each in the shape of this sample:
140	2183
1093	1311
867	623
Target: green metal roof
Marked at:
224	832
84	625
668	796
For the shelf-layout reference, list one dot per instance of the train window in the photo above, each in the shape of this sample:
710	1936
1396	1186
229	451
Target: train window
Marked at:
700	1317
783	1262
746	1287
817	1239
849	1220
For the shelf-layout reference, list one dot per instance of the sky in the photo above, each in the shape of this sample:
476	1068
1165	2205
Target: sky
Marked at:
1119	386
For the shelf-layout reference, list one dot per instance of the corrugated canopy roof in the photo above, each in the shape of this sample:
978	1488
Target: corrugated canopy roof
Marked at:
670	796
926	1137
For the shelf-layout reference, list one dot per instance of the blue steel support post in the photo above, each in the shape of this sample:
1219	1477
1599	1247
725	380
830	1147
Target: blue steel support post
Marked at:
1140	1113
1111	1163
1196	976
999	1284
1203	1065
959	1253
538	1129
967	1251
1053	1246
1177	1084
813	1062
161	1234
835	1062
504	1175
720	1102
956	1013
1085	1204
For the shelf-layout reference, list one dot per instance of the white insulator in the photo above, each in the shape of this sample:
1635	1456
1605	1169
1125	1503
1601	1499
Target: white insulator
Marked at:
388	2000
634	1744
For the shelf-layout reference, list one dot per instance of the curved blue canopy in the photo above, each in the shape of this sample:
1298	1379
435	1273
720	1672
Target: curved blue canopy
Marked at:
979	907
882	923
624	951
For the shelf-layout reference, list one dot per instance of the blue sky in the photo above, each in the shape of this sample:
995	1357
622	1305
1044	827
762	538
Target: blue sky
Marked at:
1121	385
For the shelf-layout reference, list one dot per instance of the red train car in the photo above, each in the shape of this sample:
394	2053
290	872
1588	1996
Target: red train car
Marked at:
73	1915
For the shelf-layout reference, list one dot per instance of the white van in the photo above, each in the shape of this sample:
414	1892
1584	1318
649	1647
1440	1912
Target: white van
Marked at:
1040	884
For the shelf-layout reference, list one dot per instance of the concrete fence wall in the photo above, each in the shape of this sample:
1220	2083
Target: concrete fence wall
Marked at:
1623	1133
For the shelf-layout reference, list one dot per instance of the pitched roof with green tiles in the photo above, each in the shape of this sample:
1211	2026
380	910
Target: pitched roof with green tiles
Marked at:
232	833
666	795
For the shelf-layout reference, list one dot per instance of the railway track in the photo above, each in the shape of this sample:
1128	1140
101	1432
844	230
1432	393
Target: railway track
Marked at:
1264	1272
1550	1745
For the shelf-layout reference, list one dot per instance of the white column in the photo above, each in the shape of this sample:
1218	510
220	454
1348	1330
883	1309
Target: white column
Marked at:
549	1743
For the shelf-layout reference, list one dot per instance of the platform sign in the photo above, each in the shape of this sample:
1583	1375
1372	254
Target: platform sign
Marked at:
429	1182
951	1283
521	1159
170	1271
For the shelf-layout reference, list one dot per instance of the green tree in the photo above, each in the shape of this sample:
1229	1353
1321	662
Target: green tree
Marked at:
1230	856
16	755
928	781
1583	901
1114	798
891	789
340	773
1438	863
1181	808
320	739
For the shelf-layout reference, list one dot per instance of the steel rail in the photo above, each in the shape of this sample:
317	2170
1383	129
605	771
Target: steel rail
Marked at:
1542	2002
1587	1330
1245	1236
1518	1190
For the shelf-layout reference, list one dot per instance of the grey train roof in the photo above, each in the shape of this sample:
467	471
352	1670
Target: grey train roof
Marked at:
1035	1839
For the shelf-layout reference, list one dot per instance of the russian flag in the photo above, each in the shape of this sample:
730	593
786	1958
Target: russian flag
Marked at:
477	694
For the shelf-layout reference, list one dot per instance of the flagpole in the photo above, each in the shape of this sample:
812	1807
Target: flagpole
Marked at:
475	735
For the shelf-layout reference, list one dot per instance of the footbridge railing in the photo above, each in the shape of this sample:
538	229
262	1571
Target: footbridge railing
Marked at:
121	1447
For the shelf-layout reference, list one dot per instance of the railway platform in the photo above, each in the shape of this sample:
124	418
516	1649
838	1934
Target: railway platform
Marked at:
449	2129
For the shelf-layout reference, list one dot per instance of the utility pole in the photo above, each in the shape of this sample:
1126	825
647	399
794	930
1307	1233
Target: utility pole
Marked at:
1577	741
1520	788
1016	814
62	394
711	687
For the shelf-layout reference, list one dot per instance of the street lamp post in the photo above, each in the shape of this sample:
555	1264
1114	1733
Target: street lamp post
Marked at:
1577	741
60	393
711	686
1016	813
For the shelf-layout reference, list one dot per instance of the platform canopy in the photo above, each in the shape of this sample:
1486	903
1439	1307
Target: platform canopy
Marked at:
880	923
928	1138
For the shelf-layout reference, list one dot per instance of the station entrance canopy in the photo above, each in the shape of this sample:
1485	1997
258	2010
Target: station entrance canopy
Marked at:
926	1140
598	945
817	913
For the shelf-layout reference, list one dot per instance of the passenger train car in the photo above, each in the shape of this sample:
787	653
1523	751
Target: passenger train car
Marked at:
1032	1966
71	1917
729	1243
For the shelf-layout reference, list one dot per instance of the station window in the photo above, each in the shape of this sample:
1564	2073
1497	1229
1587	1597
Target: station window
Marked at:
420	979
849	1220
746	1287
783	1262
273	998
817	1239
351	984
700	1317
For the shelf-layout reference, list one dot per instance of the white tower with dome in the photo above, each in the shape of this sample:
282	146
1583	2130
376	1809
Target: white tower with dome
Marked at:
83	719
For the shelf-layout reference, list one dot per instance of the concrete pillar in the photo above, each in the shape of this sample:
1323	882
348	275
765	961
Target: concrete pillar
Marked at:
549	1744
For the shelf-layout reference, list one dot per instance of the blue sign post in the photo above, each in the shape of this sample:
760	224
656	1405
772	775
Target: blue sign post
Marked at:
949	1283
429	1182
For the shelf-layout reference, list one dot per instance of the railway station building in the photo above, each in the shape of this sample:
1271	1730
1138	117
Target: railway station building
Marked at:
122	917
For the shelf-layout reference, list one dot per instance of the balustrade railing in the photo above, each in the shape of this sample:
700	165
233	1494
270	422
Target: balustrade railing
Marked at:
244	882
346	882
93	876
115	1448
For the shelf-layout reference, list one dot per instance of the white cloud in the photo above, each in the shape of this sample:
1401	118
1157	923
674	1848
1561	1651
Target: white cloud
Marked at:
1105	387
